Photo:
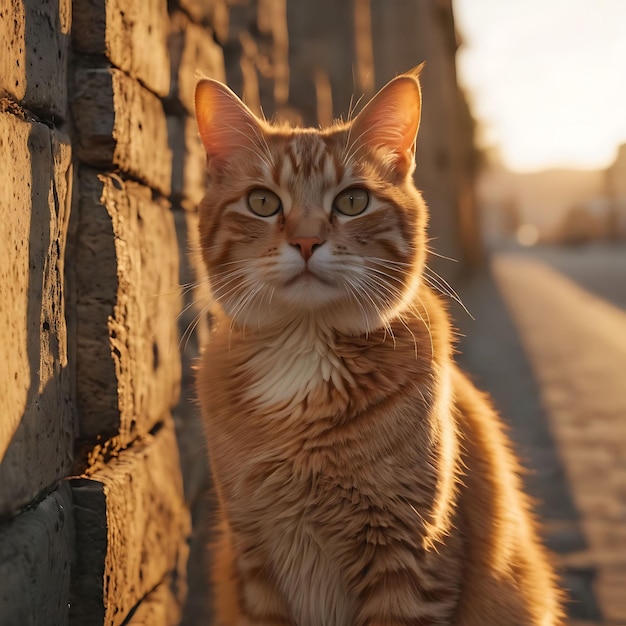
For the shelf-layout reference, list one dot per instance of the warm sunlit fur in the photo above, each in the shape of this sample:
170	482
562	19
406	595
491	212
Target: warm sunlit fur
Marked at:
362	480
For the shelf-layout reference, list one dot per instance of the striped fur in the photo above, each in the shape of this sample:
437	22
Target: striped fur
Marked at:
362	480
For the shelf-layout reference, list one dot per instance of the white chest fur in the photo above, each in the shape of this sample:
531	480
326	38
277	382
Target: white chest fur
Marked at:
291	364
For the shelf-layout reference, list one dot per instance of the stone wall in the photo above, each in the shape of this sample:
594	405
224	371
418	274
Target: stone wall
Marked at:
105	497
37	408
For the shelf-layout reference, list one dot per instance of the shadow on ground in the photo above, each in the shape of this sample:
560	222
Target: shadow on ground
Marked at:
492	353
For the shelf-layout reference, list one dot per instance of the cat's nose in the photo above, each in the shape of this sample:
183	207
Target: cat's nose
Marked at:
306	245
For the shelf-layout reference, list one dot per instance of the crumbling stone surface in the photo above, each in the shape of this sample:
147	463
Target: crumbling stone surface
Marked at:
192	50
37	416
35	557
212	13
127	285
194	323
160	607
131	35
121	124
189	162
131	531
35	45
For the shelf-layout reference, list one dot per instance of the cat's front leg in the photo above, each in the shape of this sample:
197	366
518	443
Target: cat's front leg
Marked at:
251	601
244	594
261	603
399	597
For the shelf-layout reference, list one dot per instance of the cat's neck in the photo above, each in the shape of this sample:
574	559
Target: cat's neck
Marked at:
288	361
284	363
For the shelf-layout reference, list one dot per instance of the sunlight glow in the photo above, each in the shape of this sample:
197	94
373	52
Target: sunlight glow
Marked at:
546	79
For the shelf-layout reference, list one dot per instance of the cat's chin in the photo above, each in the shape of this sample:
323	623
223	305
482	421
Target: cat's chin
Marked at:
312	299
307	280
328	312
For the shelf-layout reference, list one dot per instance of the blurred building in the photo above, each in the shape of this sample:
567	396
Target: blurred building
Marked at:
562	205
616	187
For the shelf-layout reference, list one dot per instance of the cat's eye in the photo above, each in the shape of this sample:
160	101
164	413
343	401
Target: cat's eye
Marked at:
263	202
352	201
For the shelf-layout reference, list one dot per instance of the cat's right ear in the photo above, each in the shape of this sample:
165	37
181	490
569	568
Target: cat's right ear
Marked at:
226	125
391	120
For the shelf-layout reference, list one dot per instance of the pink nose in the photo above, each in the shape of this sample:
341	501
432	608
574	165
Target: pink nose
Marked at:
306	245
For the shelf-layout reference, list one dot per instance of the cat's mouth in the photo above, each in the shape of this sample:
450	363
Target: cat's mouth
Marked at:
307	277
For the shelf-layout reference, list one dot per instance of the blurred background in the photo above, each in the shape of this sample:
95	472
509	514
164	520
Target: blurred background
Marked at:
545	84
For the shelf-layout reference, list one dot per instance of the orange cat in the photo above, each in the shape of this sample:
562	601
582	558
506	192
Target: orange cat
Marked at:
362	479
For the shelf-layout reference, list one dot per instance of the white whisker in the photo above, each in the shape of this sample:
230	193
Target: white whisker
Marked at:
442	286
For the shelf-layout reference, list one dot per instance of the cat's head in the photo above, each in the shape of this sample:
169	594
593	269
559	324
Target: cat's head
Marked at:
307	222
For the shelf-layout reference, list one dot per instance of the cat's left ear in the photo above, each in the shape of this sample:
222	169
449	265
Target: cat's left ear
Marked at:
225	123
391	119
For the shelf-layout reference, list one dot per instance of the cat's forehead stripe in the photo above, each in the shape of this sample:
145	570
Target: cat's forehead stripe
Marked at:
305	160
307	153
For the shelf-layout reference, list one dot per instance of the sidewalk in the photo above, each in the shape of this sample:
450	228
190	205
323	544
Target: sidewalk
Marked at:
554	358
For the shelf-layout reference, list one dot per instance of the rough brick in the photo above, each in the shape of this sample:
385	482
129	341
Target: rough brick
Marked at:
200	601
194	330
160	608
131	530
35	557
127	303
131	35
194	323
273	53
242	56
258	48
215	13
121	125
198	303
192	49
33	63
188	163
36	415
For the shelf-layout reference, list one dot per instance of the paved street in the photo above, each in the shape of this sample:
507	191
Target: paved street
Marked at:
549	343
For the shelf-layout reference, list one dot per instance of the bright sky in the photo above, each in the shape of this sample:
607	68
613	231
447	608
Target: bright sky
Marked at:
546	78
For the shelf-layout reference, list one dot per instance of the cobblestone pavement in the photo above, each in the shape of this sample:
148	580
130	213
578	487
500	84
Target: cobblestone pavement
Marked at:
549	343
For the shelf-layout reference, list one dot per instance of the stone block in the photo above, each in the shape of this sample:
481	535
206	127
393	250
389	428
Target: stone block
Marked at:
131	531
196	318
256	54
160	607
214	13
121	124
35	559
188	163
36	410
193	324
131	35
33	64
127	303
199	604
192	50
274	48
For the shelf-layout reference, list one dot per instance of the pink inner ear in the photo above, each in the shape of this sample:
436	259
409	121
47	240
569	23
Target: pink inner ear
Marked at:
391	119
225	123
